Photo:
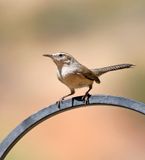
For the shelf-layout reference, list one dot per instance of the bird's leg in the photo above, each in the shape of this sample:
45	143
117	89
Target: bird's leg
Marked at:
72	92
86	96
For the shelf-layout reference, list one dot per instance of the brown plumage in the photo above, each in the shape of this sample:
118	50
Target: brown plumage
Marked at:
75	75
100	71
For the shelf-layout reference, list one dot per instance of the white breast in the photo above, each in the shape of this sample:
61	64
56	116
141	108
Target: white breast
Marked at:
70	77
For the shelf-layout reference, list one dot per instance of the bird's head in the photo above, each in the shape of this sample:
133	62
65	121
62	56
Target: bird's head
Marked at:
60	58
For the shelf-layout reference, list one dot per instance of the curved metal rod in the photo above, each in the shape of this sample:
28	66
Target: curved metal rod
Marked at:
8	143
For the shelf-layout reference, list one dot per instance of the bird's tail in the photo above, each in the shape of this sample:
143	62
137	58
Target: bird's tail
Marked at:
100	71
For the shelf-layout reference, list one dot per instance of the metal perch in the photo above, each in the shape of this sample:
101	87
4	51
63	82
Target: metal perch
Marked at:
8	143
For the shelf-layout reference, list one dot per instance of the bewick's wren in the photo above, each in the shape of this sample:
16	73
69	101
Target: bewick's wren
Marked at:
75	75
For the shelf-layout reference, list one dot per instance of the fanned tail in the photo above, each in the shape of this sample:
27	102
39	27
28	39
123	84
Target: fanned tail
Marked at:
100	71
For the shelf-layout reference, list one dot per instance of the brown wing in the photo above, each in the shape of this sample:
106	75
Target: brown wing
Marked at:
88	73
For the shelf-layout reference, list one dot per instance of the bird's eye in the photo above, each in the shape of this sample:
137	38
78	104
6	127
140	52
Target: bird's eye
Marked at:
60	55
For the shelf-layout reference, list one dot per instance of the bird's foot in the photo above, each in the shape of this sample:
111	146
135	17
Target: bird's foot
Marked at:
59	102
85	98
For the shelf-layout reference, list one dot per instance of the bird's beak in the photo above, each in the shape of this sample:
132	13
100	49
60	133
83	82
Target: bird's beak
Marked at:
47	55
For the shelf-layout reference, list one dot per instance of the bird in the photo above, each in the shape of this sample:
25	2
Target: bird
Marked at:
75	75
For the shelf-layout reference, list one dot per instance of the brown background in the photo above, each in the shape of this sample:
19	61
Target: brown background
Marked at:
98	33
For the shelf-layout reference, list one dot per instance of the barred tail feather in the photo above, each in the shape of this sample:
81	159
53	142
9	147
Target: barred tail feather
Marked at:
100	71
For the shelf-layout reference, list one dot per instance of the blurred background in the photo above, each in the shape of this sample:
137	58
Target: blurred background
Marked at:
98	33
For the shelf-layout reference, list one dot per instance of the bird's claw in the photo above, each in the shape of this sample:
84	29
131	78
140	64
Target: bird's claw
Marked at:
59	102
85	98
